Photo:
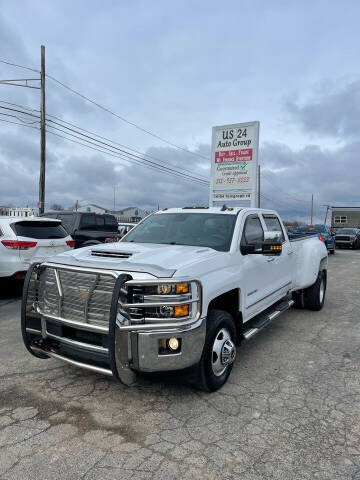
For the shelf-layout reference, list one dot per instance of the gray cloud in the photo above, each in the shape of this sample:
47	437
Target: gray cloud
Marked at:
170	69
335	113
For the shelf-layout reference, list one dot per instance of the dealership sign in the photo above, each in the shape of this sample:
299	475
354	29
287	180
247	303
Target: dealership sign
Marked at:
234	160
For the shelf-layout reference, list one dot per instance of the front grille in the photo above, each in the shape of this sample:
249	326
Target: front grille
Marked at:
342	237
86	297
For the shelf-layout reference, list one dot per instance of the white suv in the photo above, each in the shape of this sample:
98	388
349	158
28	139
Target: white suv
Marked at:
24	240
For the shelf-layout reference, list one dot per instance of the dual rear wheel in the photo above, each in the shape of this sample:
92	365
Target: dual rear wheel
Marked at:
313	297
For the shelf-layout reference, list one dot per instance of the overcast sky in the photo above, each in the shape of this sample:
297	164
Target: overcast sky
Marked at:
178	68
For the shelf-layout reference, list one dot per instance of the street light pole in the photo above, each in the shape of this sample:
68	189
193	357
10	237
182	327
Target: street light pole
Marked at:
42	135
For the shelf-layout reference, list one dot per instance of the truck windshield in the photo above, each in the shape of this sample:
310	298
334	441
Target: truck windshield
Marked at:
203	230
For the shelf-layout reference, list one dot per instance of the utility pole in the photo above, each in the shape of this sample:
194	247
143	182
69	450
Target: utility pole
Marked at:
76	205
258	187
312	209
42	135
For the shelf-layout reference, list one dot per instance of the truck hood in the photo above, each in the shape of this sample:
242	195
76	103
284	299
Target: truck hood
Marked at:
155	259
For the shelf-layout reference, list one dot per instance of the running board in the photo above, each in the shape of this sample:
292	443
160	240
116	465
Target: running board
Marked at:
261	322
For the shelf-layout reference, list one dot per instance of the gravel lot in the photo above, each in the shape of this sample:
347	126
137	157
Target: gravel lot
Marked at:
291	409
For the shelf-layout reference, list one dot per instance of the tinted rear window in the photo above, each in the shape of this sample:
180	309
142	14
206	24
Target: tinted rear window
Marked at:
67	221
111	222
39	230
88	221
91	221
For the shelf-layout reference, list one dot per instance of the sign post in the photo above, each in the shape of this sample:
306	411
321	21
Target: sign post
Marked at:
234	161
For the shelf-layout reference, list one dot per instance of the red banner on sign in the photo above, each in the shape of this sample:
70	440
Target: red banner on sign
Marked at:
244	155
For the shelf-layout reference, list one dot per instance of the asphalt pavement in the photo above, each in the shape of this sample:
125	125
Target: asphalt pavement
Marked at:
290	410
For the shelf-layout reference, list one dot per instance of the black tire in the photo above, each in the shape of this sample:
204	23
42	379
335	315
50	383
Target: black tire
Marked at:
314	296
298	299
332	251
207	380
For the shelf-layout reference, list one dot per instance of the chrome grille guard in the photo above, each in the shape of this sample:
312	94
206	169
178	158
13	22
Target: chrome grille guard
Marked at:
124	322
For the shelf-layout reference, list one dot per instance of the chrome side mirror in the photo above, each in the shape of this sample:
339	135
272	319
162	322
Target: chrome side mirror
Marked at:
274	237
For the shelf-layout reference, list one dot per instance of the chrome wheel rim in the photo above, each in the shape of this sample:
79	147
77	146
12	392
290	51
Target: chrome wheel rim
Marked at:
223	352
322	290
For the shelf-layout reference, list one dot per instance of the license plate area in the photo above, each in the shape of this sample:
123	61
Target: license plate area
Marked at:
92	339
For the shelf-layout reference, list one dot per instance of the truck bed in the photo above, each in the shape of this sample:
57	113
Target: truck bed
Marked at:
300	236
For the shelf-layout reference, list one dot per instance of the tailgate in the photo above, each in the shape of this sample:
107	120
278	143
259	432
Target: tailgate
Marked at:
44	249
47	238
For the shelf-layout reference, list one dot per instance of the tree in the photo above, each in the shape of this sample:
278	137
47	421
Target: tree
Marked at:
56	206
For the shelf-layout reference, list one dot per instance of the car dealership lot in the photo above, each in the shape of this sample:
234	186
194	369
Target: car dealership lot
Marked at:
291	409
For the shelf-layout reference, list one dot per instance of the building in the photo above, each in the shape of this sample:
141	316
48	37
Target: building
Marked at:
342	217
91	207
128	214
18	211
4	210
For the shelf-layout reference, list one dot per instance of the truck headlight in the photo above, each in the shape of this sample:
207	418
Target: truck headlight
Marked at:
172	288
148	301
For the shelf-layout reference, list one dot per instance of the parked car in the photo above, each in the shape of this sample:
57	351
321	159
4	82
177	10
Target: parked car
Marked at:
320	230
29	239
177	293
125	228
348	237
88	228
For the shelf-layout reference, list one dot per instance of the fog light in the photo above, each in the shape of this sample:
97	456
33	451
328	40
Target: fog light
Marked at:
173	343
166	311
181	310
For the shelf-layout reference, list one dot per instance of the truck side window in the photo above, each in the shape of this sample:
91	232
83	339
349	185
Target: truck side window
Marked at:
88	221
273	225
253	231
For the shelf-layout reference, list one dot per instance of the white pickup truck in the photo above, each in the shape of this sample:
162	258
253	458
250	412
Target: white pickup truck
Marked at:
177	294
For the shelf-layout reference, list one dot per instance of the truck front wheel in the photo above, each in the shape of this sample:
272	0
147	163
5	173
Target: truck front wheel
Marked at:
219	351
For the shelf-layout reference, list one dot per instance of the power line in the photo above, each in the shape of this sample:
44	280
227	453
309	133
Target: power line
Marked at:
117	143
128	154
16	123
290	196
124	119
20	111
272	200
125	158
20	66
18	118
20	106
117	149
122	157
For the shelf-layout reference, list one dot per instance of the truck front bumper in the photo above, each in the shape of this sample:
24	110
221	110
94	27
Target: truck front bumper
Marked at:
141	355
120	349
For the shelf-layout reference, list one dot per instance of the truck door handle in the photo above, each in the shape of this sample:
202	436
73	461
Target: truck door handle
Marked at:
271	259
290	253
